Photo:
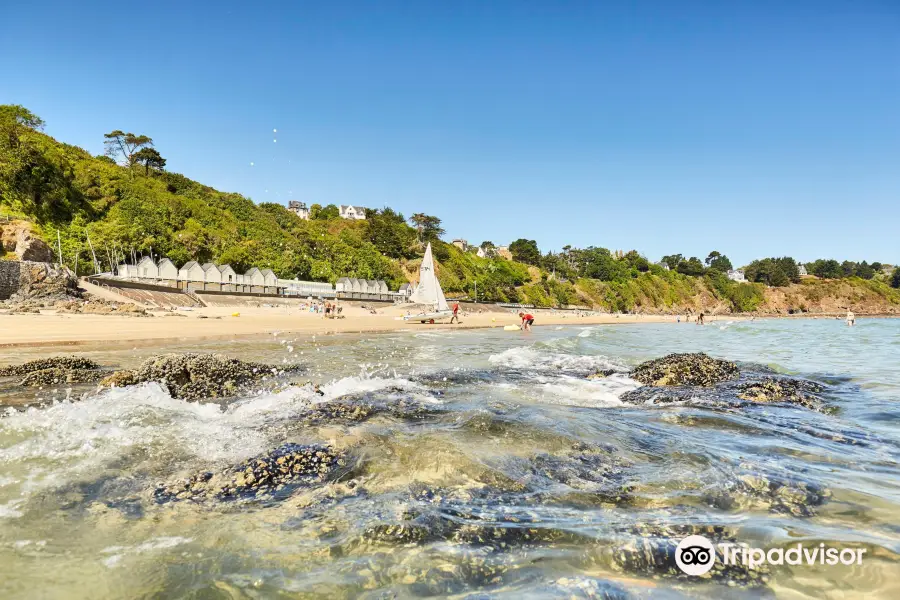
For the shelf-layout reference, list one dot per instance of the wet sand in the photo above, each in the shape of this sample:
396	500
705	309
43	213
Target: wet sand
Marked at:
219	323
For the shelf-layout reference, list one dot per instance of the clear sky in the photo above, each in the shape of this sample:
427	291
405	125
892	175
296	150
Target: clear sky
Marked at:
755	128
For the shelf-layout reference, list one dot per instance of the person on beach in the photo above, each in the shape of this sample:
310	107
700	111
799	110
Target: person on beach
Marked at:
851	318
527	321
455	313
700	319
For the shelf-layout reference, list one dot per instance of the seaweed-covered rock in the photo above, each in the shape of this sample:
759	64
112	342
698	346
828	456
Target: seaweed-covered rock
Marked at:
54	362
781	389
602	373
194	376
60	376
779	495
586	468
276	472
696	369
362	407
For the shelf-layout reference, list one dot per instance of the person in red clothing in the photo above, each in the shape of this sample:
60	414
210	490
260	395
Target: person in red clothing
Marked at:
455	313
527	321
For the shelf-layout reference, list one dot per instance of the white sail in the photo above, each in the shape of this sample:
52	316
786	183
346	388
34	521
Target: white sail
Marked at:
429	291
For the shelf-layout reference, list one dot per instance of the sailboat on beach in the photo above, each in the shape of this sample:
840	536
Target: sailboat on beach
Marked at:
428	294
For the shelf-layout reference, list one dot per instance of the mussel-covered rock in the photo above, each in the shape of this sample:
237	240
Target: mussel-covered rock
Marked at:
589	468
781	389
274	473
357	408
60	376
195	376
53	362
696	369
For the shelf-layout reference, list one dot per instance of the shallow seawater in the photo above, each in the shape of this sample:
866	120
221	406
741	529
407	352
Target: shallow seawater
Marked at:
514	477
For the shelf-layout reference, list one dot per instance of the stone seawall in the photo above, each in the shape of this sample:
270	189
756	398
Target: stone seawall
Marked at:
9	278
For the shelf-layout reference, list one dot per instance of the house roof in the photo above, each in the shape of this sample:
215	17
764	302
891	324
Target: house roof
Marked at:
223	268
190	264
252	271
405	287
268	272
344	279
209	266
146	259
164	260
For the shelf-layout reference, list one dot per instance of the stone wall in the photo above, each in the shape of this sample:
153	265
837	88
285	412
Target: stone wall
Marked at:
9	278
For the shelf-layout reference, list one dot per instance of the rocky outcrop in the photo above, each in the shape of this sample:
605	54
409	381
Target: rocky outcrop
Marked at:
696	369
37	281
18	238
63	363
278	470
195	376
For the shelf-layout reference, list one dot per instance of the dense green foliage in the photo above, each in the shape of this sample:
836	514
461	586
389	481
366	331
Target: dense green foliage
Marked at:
895	278
777	272
832	269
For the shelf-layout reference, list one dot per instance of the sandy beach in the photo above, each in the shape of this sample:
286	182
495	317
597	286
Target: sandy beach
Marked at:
49	328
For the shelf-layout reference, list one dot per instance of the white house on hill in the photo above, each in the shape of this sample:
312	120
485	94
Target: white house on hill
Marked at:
299	209
736	275
352	212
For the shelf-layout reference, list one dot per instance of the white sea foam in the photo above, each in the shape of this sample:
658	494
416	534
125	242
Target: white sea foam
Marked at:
531	358
574	391
117	553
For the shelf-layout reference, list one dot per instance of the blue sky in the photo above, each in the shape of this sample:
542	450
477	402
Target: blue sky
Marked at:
755	128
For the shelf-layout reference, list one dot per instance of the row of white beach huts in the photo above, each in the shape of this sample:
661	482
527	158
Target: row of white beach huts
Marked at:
210	277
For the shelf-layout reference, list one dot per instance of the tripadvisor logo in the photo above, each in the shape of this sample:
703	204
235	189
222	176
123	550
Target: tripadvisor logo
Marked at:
696	555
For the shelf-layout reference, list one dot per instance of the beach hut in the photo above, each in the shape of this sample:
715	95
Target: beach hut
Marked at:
269	277
357	285
211	273
167	269
254	277
382	287
371	286
147	269
343	285
191	271
228	275
406	289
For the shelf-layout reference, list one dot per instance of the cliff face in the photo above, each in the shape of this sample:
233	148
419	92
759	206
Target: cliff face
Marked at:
36	281
833	296
18	241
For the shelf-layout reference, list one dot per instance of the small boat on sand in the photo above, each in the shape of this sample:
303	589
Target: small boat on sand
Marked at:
428	294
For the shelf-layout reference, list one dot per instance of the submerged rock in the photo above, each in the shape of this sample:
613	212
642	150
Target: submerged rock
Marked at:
55	362
602	373
362	407
195	376
779	495
651	551
696	369
60	376
277	471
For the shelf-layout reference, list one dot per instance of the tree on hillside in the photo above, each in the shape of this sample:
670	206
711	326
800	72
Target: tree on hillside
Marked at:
125	145
428	227
671	261
826	268
717	260
525	251
13	119
150	158
489	249
636	261
691	266
324	213
895	278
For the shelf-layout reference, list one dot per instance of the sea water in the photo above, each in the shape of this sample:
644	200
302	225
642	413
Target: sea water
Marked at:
487	480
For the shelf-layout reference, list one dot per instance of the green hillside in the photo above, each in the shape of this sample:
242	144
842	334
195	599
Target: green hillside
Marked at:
141	208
